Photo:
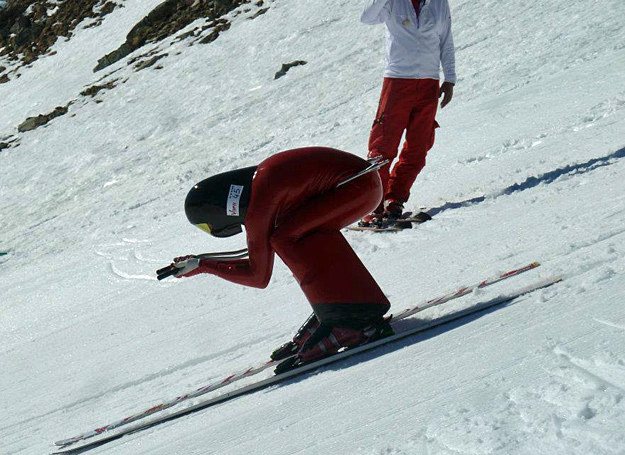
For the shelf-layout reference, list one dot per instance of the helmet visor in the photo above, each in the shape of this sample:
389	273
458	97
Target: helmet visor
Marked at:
205	227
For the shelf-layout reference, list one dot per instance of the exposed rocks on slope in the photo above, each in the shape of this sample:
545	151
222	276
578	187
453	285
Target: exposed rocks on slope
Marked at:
9	142
170	17
93	90
288	66
28	28
35	122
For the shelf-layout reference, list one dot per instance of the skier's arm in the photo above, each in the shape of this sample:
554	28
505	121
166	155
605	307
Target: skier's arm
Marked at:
255	271
377	12
248	272
447	52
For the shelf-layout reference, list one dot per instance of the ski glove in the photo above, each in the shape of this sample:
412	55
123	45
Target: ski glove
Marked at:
187	265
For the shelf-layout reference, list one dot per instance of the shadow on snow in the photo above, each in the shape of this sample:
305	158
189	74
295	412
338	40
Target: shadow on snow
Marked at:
532	182
404	325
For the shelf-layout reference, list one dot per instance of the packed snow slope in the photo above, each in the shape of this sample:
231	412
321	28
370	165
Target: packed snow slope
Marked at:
529	164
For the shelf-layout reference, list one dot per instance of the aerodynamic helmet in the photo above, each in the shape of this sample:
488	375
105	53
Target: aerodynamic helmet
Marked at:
218	204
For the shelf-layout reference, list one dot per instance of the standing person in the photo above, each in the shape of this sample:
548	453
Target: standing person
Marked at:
290	204
418	42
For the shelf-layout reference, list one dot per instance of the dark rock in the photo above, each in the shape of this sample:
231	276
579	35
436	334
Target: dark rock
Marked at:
287	66
113	57
4	79
9	142
35	122
212	36
168	18
186	35
95	89
27	32
258	13
108	8
150	62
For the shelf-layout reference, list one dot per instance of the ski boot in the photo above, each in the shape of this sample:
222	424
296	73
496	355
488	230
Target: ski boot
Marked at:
328	340
374	219
290	348
393	210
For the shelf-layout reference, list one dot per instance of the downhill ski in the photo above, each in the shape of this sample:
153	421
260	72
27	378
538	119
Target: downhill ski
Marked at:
461	291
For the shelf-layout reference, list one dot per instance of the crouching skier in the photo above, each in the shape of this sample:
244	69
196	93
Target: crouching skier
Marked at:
290	204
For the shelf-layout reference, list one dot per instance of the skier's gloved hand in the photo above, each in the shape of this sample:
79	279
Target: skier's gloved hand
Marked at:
447	92
183	258
187	265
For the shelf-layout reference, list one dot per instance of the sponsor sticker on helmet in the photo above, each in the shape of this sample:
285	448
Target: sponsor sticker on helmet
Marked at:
234	198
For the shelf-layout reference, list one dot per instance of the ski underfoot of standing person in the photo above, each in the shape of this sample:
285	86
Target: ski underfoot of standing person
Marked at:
384	215
407	106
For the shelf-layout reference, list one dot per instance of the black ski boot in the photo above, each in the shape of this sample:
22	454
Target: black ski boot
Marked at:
394	210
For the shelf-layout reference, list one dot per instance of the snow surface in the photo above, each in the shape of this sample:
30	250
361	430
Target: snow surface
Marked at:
528	165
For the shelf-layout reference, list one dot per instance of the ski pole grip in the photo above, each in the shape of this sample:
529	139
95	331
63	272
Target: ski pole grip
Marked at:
166	272
163	270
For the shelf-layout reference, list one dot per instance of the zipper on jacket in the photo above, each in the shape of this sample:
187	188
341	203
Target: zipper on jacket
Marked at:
418	5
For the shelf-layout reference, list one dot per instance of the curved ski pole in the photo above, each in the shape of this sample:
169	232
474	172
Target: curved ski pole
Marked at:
166	272
171	269
225	254
374	166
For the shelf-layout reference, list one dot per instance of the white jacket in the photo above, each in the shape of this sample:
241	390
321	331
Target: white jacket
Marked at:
415	50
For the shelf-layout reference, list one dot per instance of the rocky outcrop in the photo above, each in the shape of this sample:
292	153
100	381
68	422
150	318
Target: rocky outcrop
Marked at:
287	66
168	18
28	28
149	62
93	90
9	142
35	122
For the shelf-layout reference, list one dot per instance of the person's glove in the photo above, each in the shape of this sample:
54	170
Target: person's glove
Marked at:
187	266
447	92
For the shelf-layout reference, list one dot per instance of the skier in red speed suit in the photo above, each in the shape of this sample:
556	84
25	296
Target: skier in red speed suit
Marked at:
290	205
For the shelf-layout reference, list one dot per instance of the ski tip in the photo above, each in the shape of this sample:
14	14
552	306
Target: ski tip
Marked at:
557	279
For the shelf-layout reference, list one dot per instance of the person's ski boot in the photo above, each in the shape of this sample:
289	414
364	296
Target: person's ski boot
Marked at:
374	219
291	347
328	340
393	210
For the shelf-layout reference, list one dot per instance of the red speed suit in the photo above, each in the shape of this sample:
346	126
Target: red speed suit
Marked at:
297	211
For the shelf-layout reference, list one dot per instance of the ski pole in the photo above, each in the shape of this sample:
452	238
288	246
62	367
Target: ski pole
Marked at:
374	166
171	269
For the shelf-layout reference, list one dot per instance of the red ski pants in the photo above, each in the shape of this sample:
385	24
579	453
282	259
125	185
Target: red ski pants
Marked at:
336	283
405	105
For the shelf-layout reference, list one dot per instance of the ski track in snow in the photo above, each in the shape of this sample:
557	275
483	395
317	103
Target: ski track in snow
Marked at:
611	324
